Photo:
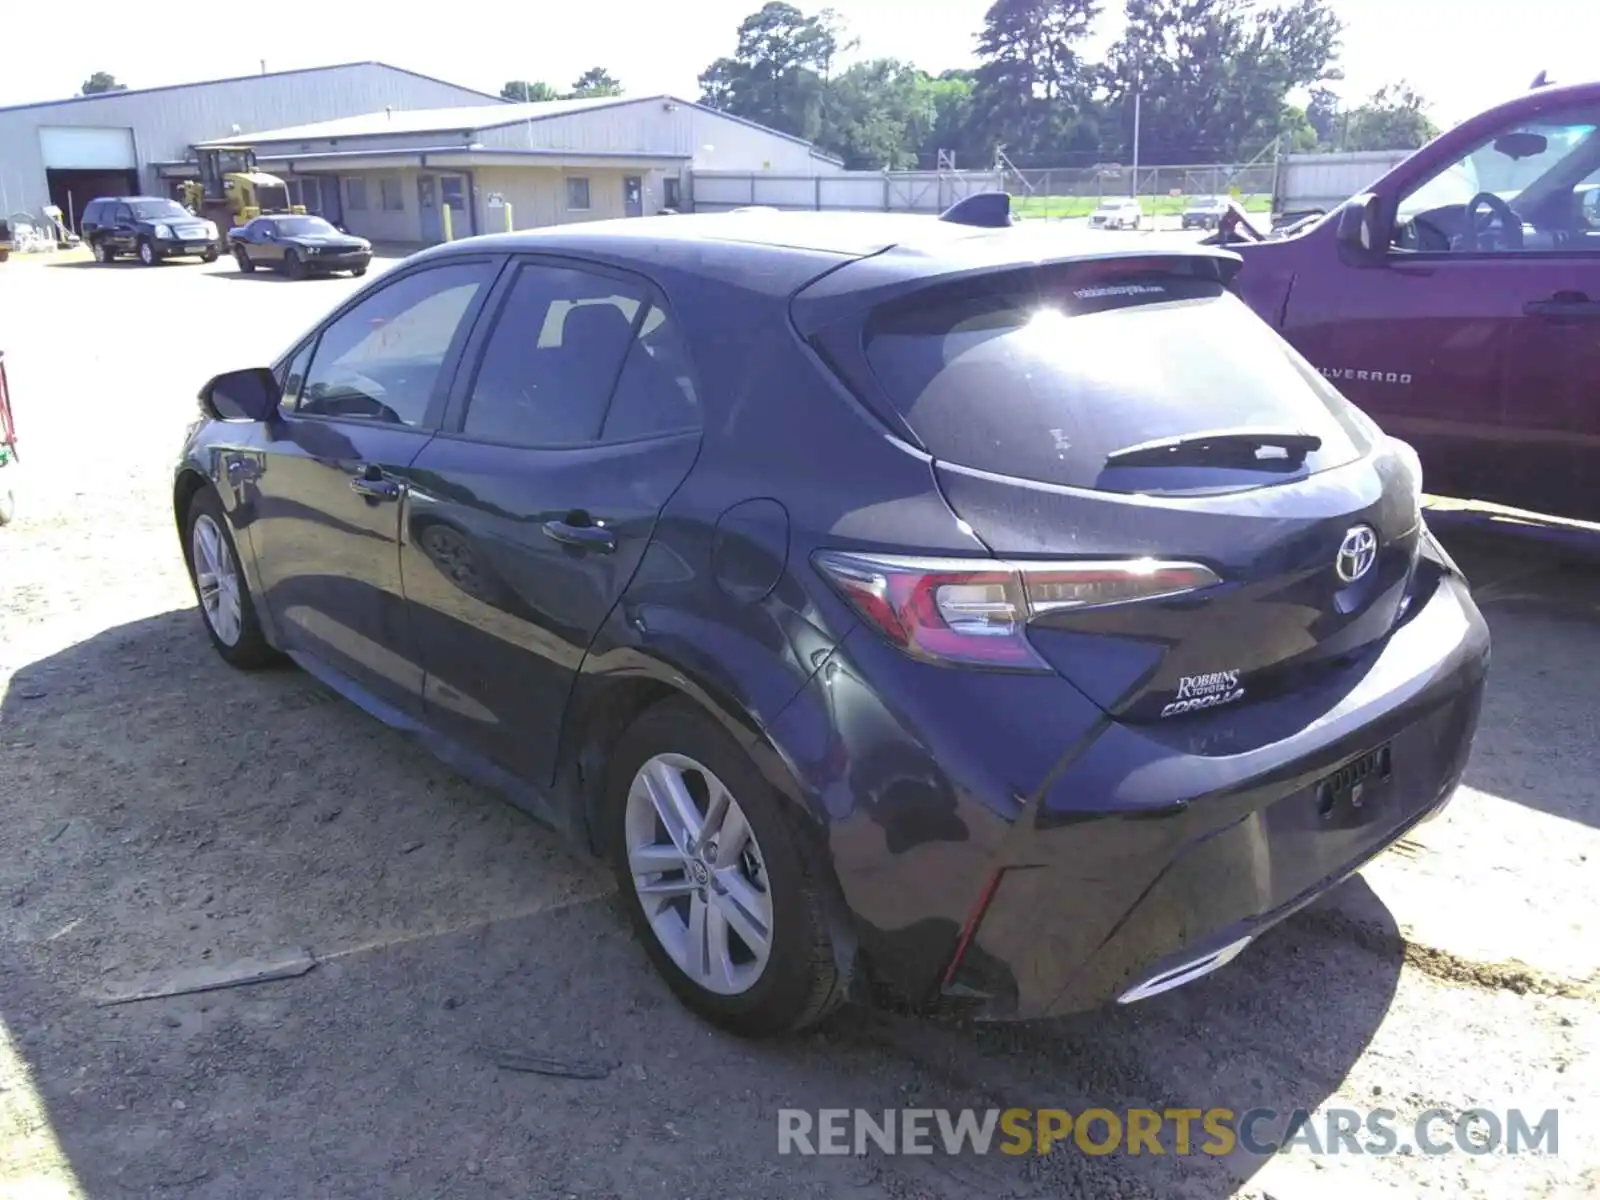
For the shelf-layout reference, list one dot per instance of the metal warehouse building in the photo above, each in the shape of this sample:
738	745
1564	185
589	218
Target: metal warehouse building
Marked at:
66	152
392	174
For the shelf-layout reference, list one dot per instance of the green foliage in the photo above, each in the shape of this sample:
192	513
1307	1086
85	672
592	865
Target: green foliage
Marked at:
521	89
101	82
596	81
1216	81
1393	118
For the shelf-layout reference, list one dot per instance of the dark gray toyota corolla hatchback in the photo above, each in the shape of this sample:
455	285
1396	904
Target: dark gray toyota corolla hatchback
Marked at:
973	615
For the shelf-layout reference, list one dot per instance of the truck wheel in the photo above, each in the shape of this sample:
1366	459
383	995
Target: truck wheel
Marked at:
147	253
102	252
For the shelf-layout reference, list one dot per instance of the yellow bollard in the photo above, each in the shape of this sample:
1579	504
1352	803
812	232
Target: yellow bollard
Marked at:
510	228
444	219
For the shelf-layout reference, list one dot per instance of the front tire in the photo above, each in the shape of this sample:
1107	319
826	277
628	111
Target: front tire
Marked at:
147	253
293	266
210	256
718	884
357	272
226	608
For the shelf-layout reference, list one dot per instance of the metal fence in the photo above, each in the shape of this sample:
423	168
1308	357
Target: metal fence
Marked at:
1066	192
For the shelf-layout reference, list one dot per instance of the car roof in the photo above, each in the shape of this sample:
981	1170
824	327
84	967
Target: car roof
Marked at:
128	199
823	240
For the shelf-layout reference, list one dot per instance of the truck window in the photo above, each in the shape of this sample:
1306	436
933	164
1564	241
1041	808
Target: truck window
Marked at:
1534	168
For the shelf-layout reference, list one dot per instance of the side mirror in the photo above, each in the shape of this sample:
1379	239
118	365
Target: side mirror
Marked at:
248	395
1360	225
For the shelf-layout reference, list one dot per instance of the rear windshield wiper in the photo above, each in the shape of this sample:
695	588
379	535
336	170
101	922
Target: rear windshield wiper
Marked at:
1225	447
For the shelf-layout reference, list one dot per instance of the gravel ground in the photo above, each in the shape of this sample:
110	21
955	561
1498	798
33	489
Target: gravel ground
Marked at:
160	813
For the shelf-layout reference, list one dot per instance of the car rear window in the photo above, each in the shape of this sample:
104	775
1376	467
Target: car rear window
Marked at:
1042	376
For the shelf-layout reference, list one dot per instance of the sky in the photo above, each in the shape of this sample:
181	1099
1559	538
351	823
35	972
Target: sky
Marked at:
1462	56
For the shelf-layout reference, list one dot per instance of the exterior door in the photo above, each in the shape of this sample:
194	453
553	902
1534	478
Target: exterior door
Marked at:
332	201
531	510
428	207
1477	335
362	399
632	196
453	196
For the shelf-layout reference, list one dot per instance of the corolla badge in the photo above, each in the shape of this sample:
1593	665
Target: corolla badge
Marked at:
1357	553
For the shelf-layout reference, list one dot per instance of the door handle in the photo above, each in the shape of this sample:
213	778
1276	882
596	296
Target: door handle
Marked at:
373	486
582	537
1563	304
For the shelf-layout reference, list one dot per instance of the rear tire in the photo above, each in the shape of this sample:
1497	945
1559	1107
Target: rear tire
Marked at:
357	272
102	252
242	257
795	982
8	504
147	253
208	541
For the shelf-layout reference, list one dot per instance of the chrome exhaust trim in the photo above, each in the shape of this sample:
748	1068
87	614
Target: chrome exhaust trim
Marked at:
1176	977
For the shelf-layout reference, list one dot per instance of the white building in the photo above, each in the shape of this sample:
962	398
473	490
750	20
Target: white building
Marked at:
391	174
66	152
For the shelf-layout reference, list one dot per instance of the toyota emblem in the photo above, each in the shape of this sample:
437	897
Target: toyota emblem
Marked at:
1357	553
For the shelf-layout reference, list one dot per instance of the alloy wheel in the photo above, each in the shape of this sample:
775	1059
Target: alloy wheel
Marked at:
217	580
699	874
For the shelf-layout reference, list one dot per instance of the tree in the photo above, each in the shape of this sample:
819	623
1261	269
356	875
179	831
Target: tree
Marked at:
101	82
596	81
778	71
878	115
1214	76
1033	90
1394	117
521	89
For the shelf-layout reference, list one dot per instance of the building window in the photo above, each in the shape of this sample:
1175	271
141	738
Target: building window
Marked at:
356	195
389	192
577	193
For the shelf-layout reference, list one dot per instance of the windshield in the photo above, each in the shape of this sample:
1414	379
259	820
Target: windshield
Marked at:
1112	205
1505	165
298	226
157	210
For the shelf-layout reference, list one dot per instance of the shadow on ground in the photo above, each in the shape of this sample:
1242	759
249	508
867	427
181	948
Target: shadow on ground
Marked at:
1535	743
159	811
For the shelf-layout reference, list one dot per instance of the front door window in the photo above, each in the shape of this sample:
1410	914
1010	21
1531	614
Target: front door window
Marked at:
1523	189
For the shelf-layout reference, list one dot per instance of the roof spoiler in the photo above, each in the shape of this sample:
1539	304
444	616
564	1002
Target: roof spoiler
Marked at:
984	210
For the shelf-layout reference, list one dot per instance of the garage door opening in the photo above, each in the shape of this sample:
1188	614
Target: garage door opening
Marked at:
71	190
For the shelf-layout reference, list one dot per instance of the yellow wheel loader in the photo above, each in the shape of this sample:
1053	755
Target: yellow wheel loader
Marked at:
231	190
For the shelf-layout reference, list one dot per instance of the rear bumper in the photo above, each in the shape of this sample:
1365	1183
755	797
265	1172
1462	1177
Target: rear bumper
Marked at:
1141	849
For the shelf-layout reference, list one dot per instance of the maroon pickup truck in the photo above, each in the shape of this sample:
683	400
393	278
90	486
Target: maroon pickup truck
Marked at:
1458	302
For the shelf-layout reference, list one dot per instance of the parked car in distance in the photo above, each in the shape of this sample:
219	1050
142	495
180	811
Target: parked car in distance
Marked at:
1205	212
1039	556
1457	302
1117	213
150	228
299	246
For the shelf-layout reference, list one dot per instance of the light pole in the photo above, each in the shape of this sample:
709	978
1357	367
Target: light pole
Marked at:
1138	97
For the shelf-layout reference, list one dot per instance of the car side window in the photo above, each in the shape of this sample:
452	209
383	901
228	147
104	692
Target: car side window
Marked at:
553	357
124	215
291	379
656	393
381	360
1517	191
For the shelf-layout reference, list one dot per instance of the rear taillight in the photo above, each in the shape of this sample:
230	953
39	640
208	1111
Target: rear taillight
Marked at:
975	611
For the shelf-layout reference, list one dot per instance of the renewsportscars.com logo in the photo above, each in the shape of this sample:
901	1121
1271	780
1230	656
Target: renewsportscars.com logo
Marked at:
1176	1131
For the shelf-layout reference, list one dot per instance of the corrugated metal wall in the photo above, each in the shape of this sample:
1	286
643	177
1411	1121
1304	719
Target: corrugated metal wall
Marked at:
873	191
166	121
1309	181
709	140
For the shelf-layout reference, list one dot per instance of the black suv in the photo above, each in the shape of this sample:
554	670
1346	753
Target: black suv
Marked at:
147	226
